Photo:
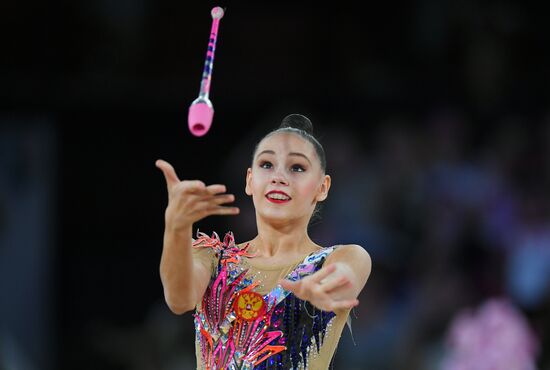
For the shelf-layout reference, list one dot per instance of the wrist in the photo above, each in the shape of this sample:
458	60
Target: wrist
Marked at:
182	230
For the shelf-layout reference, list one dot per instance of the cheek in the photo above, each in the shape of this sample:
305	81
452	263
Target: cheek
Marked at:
257	182
309	189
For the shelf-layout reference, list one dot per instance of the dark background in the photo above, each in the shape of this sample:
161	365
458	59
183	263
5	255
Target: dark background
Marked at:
434	116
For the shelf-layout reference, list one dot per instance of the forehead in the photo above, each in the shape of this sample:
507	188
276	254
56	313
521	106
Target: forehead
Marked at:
285	142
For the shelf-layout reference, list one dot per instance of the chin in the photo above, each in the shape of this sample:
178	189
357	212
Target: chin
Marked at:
277	216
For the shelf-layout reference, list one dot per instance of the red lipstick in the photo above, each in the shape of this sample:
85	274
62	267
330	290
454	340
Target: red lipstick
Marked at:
278	201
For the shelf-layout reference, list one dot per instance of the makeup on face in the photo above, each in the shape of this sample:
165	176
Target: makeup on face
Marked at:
284	171
278	196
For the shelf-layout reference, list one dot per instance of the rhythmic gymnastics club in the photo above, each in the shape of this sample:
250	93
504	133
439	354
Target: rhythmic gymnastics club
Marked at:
201	111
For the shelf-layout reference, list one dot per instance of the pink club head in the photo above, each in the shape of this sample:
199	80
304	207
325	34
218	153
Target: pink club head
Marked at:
200	116
201	111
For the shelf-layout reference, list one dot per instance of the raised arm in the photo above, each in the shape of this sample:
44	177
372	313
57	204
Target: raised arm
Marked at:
338	283
183	277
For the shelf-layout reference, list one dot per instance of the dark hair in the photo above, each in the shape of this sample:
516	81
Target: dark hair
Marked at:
300	125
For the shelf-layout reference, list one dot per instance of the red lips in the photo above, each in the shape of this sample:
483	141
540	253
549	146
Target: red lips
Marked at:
277	200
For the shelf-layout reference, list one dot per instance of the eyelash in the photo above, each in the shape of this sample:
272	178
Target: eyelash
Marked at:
293	166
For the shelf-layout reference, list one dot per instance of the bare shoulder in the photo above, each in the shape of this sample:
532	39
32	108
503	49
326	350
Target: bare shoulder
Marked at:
354	261
348	253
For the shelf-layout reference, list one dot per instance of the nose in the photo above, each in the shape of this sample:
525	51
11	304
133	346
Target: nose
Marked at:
279	180
278	177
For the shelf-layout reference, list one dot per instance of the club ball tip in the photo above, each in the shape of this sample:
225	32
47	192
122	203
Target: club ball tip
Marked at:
217	12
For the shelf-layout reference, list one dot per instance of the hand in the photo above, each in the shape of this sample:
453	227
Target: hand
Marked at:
323	289
191	200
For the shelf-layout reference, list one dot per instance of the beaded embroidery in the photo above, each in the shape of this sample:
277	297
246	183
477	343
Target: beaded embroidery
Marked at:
239	329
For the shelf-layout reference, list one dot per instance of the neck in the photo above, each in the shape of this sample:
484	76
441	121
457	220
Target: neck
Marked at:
285	238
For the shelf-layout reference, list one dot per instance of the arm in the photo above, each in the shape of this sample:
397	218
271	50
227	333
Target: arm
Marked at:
338	283
353	266
185	278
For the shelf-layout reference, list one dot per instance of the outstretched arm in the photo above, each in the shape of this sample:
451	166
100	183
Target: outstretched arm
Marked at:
185	279
338	283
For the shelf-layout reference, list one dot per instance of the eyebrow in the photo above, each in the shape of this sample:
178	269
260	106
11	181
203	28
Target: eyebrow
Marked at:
291	153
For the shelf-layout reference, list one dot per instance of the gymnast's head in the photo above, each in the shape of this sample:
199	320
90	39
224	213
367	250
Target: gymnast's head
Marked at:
287	177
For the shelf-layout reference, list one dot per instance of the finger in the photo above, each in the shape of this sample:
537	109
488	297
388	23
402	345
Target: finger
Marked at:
168	171
222	211
221	199
340	291
349	303
323	273
212	206
330	284
216	189
191	186
290	285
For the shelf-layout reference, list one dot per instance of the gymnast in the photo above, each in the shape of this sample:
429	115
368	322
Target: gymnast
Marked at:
279	300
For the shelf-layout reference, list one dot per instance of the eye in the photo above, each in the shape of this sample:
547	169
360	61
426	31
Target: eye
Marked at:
265	164
298	168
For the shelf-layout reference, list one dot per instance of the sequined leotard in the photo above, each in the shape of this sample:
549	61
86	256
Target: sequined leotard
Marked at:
246	321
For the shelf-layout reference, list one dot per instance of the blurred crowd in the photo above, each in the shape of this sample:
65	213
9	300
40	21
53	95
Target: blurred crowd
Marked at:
453	216
456	219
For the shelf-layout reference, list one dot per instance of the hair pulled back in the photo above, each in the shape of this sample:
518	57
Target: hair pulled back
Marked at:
300	125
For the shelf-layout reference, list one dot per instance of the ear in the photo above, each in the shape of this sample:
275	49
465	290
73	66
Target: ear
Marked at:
323	189
248	188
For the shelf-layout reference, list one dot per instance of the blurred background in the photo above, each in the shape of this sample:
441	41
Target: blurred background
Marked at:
435	119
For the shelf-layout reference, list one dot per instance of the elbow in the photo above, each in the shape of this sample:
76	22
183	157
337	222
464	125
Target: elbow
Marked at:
179	308
180	305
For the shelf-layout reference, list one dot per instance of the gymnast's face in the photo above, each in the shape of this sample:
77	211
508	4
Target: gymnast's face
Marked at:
288	164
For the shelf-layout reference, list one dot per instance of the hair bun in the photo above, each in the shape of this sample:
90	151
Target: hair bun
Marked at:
297	121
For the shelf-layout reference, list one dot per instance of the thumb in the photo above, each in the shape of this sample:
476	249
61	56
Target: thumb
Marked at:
288	284
168	171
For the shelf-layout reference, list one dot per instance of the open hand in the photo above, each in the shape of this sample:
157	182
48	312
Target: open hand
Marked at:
191	200
323	289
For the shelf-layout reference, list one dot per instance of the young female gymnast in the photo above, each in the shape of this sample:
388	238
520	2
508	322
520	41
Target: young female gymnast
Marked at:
278	301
